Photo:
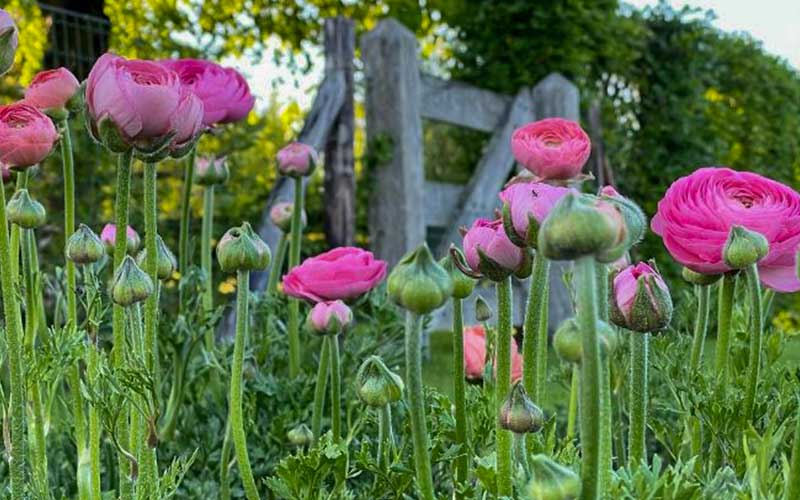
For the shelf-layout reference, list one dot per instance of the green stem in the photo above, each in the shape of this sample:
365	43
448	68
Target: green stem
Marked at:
793	484
602	290
637	451
236	417
205	257
69	216
336	388
22	183
724	310
277	265
294	260
756	341
186	206
134	314
13	326
416	405
385	437
606	414
534	345
572	414
92	373
700	325
118	319
520	452
460	392
504	346
586	287
225	464
320	389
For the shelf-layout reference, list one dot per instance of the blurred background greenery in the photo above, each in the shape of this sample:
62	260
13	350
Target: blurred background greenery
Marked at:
673	91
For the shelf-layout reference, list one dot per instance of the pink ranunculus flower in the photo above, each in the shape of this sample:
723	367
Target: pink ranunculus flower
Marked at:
224	91
109	238
187	120
330	317
297	159
697	212
475	355
553	148
26	135
51	89
530	199
140	97
488	237
343	273
9	40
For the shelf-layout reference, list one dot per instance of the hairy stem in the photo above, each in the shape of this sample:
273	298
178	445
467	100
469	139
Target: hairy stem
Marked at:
756	340
277	265
385	437
186	206
504	346
416	405
700	325
724	311
294	260
320	389
336	388
459	389
225	463
637	451
572	414
205	257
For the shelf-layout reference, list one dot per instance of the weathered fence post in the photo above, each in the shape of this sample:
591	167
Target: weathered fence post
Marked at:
394	128
340	183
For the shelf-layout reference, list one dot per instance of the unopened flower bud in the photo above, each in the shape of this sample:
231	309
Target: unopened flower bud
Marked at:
483	311
550	480
518	414
241	249
9	39
490	253
130	284
568	340
744	248
297	159
640	300
580	225
696	278
418	283
109	236
635	224
165	264
281	215
24	211
300	436
376	384
84	246
462	284
329	318
211	171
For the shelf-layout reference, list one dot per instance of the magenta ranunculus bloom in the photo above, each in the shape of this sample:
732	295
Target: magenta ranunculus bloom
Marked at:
553	148
51	89
343	273
489	237
626	284
330	317
188	119
109	238
530	199
297	159
697	212
140	97
9	40
26	135
224	91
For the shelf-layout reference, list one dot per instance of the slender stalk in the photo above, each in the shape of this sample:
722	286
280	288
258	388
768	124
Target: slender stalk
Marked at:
534	345
22	183
69	216
585	277
319	389
134	314
336	388
460	396
637	451
757	324
606	414
236	417
92	373
186	206
700	325
520	453
724	310
225	464
572	414
118	316
13	326
416	405
385	437
294	260
793	484
502	436
277	265
205	257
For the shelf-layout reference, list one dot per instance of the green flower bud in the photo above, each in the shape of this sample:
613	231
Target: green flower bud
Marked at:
376	384
635	224
550	480
744	248
418	283
130	284
518	414
698	278
24	211
300	436
211	171
84	246
166	263
241	249
9	41
580	225
483	311
568	340
462	284
639	299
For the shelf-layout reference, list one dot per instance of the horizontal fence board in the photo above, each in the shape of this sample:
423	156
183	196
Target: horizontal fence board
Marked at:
462	104
441	201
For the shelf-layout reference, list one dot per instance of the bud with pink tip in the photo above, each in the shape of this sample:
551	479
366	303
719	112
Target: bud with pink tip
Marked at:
281	215
27	135
488	250
51	90
297	159
329	318
640	299
9	39
210	171
109	237
525	206
553	148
